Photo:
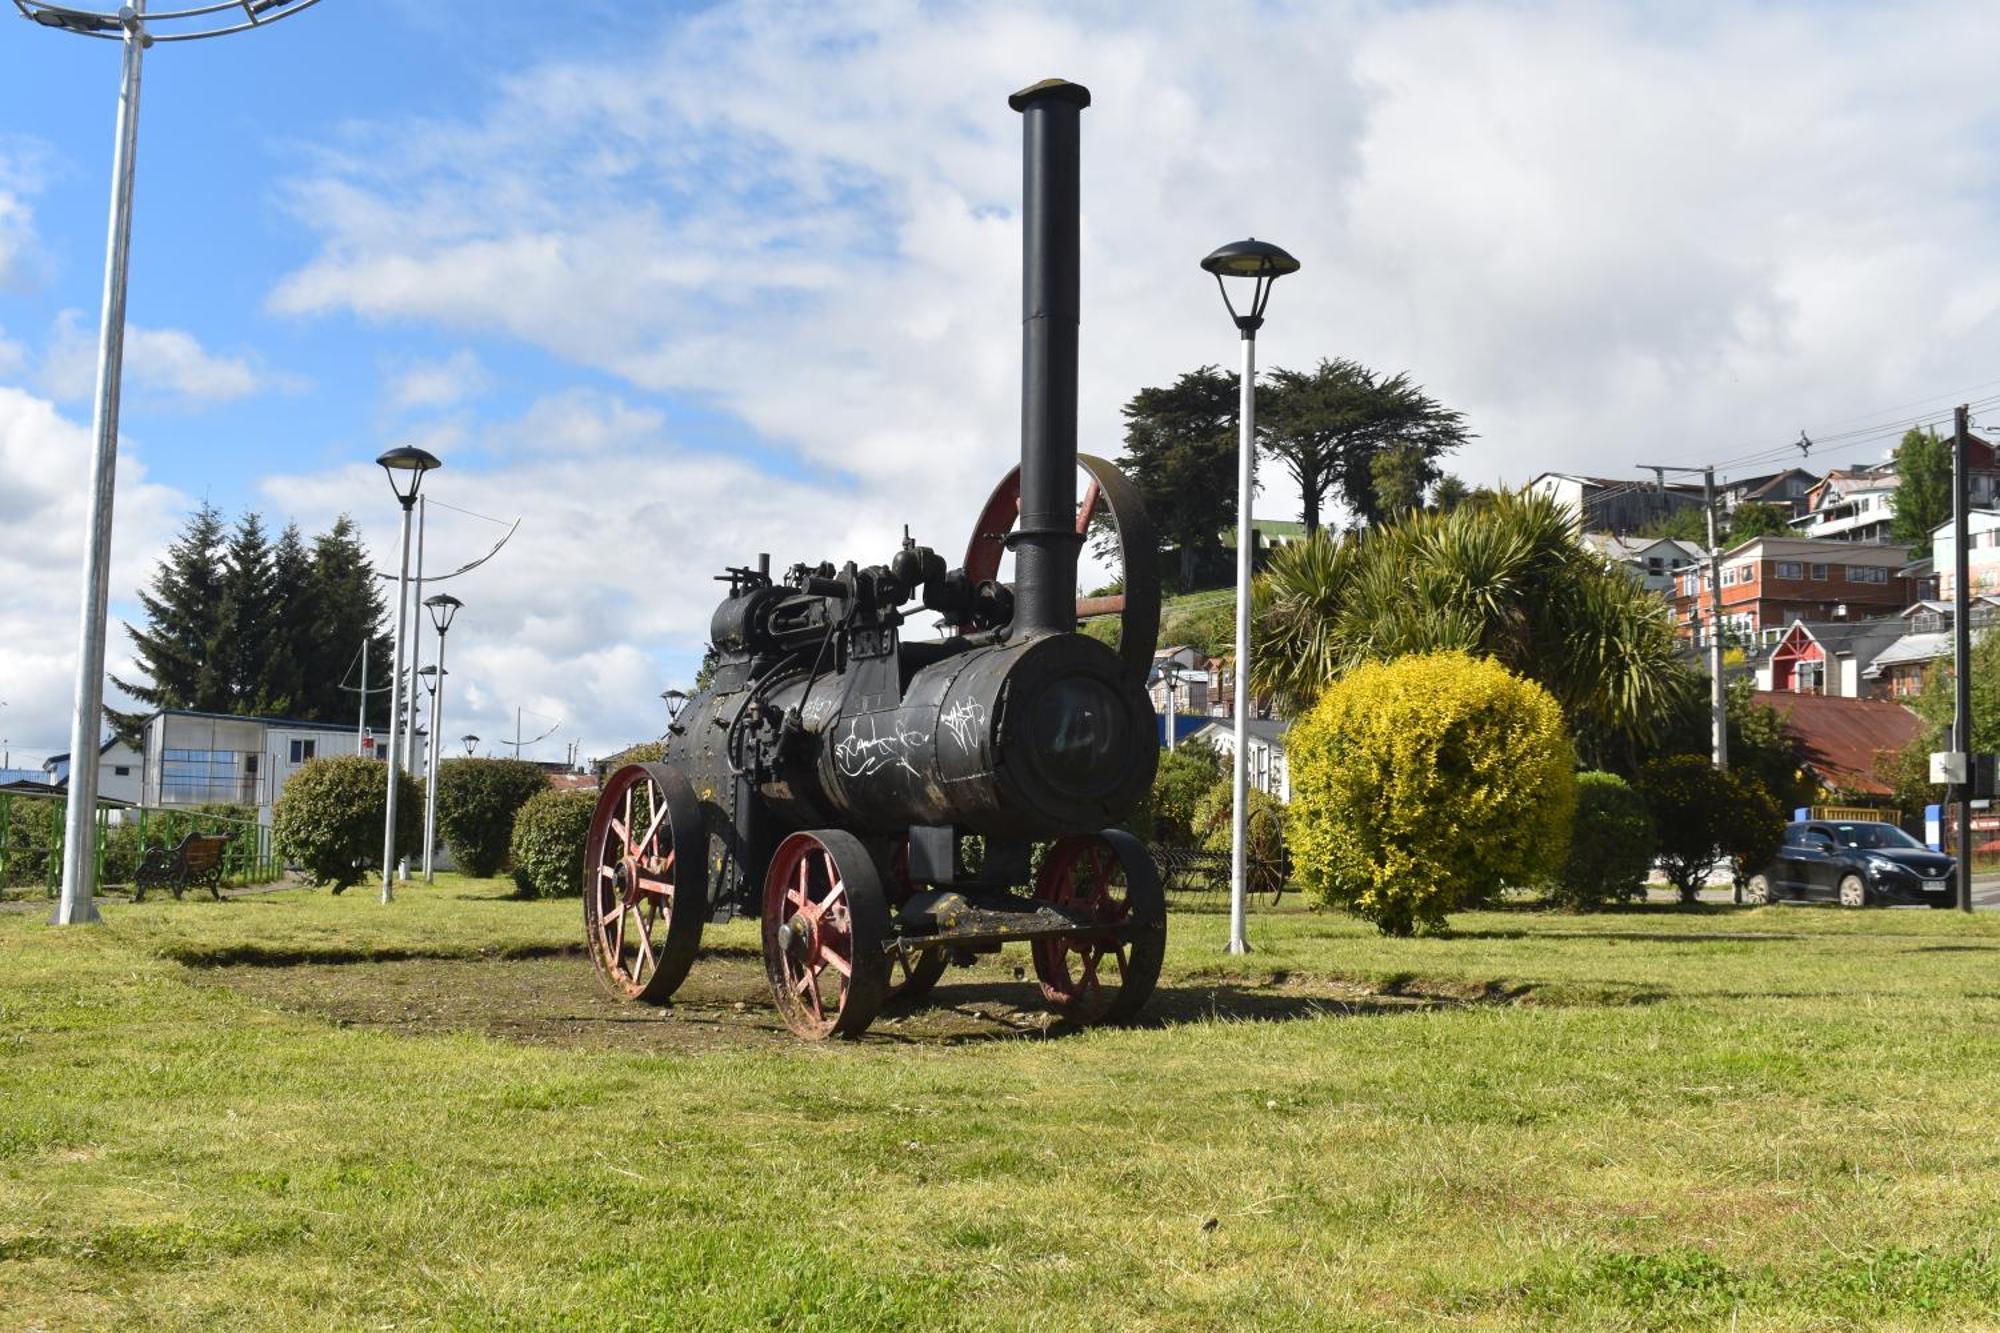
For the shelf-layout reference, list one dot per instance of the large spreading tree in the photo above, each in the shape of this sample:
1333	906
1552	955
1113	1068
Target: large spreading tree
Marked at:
1180	449
1346	433
235	623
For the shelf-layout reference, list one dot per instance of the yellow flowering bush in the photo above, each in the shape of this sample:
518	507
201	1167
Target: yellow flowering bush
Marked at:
1425	784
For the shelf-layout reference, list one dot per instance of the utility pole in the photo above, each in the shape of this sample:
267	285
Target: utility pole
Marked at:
1718	697
1961	649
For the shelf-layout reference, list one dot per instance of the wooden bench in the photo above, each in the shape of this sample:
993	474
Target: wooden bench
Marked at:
197	861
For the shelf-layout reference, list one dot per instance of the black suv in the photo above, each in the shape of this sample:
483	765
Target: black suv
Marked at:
1855	865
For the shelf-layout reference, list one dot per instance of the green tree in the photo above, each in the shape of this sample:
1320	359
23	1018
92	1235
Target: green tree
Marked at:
1754	518
1610	845
1425	784
548	844
1180	449
1687	524
347	608
1328	425
1399	474
245	632
280	680
1507	580
1705	818
1923	488
1450	492
176	649
329	819
1185	775
477	800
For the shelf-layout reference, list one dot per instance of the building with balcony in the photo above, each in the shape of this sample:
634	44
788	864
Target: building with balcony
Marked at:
1769	582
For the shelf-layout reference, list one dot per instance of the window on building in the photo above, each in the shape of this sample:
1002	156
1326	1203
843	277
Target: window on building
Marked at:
1810	678
194	776
125	771
1867	574
303	750
1819	571
1791	569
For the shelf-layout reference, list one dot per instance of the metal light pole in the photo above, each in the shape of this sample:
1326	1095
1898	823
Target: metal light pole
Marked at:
442	608
134	29
1961	645
1261	264
406	467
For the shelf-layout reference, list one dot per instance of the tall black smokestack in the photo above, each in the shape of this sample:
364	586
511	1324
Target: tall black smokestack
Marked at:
1046	544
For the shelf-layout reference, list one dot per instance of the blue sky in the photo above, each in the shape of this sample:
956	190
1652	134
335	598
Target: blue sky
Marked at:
676	284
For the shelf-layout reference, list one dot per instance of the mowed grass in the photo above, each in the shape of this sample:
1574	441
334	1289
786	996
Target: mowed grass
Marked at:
1780	1118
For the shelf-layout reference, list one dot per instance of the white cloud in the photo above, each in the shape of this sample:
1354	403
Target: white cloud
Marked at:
603	597
1610	235
20	180
44	457
169	364
446	383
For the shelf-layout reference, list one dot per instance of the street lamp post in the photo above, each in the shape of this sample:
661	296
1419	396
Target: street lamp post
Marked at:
1261	264
135	30
470	743
675	701
406	467
442	608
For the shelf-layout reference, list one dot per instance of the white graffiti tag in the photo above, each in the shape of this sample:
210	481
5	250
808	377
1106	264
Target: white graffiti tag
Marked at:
858	755
966	719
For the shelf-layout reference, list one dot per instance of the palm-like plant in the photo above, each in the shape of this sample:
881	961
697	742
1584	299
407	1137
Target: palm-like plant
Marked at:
1508	581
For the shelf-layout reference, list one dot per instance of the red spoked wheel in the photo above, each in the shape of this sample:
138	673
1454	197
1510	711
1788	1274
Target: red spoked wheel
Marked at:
645	882
1107	976
912	972
826	934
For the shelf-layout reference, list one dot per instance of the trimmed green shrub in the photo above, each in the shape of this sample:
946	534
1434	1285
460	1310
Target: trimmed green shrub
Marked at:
549	833
1184	777
329	819
1610	846
1705	818
476	803
1426	783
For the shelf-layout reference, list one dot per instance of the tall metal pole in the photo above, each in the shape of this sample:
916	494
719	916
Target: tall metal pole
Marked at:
394	766
361	722
1246	541
431	774
1718	697
416	650
1961	647
79	870
1172	678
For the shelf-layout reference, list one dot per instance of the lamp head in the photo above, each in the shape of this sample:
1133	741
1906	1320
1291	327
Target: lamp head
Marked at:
1259	262
406	465
470	743
675	701
442	608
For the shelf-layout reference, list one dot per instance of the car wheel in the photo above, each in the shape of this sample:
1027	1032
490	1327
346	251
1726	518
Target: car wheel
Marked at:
1758	891
1853	891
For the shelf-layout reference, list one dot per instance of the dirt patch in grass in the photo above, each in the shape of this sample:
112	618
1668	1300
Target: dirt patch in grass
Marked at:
553	998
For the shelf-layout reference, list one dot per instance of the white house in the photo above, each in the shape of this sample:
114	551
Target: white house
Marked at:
195	758
1982	554
120	771
1653	561
1264	739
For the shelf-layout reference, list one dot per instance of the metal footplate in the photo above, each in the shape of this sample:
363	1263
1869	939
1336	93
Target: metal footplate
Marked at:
945	916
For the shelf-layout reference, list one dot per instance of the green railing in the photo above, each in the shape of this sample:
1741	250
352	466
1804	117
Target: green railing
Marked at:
31	841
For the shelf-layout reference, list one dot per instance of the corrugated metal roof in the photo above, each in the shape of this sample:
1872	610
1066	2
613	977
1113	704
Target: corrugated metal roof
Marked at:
1841	739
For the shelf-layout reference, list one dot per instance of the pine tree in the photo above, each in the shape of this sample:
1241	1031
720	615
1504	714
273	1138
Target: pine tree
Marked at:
280	680
183	617
347	607
244	638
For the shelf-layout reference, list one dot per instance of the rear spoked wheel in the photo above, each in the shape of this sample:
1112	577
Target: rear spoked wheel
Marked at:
645	882
826	934
1102	976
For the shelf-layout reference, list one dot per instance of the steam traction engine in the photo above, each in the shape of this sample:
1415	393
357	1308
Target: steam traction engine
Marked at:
887	806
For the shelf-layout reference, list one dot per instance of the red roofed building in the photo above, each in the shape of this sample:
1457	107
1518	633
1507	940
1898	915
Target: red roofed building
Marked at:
1841	741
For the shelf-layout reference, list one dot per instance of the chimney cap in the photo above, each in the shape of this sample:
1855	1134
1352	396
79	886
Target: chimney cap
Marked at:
1061	90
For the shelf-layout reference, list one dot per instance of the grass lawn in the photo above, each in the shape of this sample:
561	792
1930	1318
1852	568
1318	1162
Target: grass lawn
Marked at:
300	1110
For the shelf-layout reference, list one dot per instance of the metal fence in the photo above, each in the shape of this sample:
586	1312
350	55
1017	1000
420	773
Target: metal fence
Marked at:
31	841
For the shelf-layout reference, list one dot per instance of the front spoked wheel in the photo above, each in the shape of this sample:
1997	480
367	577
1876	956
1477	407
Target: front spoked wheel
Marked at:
826	934
645	882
